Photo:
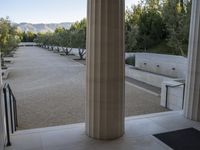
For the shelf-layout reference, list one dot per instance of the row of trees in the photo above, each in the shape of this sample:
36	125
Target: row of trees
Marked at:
75	37
27	36
158	22
9	38
152	24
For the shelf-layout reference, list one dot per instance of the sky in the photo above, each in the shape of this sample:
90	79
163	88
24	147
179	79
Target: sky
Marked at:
46	11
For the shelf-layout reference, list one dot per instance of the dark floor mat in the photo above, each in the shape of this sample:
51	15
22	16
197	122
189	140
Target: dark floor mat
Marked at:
185	139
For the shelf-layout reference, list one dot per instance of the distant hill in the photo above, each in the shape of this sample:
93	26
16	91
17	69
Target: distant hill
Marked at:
50	27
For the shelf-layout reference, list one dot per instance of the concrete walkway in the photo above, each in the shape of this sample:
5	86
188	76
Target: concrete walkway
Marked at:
146	86
50	90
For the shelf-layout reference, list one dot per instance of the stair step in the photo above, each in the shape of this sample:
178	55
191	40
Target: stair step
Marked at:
47	129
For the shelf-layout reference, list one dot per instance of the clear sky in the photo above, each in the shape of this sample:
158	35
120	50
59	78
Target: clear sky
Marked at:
46	11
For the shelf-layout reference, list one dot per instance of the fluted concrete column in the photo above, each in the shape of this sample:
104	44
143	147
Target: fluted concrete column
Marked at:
192	97
105	69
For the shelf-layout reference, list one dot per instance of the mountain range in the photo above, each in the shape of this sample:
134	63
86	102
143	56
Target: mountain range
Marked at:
41	27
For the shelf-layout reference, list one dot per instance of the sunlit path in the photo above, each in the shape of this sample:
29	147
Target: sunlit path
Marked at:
50	90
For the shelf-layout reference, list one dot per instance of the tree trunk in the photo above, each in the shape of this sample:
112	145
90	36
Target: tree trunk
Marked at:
2	60
81	53
182	52
182	6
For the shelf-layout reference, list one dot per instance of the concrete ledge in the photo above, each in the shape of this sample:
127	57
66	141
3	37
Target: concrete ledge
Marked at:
170	65
174	95
82	125
146	77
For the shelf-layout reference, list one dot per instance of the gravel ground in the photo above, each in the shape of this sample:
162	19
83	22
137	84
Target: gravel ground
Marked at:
50	90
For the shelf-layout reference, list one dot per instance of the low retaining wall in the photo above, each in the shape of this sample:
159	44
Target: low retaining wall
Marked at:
27	44
169	65
127	55
146	77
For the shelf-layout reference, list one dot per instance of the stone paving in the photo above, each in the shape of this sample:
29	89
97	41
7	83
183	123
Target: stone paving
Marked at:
50	90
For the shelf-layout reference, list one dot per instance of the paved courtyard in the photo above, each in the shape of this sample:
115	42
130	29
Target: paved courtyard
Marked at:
50	90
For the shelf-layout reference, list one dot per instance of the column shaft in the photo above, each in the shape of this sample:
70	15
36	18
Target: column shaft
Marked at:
105	69
192	97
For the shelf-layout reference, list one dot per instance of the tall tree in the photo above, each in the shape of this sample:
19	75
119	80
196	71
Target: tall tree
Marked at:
132	17
151	29
78	33
27	36
176	14
9	38
152	4
75	37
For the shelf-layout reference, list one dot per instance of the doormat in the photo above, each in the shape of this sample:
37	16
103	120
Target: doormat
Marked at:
185	139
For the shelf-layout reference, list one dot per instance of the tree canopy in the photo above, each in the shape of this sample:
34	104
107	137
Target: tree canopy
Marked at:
75	37
154	22
9	37
149	25
27	36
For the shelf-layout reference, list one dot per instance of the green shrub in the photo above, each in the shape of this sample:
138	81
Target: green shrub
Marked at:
130	61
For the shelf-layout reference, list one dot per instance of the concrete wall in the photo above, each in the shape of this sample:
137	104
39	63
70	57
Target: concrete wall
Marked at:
174	95
169	65
147	77
2	118
2	124
127	55
27	44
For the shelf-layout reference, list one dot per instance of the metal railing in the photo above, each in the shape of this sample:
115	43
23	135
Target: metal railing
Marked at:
174	86
10	112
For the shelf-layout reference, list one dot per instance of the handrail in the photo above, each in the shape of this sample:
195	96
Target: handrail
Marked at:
14	107
10	111
6	118
173	86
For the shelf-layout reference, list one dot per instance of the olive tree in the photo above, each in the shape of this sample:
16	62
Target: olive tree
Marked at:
78	36
9	38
